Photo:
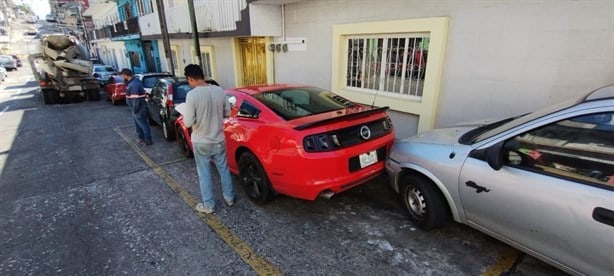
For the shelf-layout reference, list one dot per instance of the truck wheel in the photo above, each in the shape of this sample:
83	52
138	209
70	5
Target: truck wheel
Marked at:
50	96
92	95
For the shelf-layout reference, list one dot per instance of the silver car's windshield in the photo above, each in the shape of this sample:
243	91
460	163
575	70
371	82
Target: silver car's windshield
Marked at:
501	126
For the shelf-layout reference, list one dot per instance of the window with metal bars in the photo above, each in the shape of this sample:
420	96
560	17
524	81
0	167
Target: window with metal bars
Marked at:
206	58
388	63
175	59
140	7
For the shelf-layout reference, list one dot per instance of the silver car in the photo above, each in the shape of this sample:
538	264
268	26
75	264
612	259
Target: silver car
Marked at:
542	182
8	62
103	72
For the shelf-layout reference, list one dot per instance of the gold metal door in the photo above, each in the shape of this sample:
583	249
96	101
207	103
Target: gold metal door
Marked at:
253	58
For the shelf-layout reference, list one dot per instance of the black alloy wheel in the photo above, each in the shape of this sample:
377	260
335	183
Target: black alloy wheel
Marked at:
254	179
182	142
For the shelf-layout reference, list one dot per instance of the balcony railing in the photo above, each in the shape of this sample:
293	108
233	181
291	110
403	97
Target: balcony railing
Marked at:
211	16
102	33
218	16
126	28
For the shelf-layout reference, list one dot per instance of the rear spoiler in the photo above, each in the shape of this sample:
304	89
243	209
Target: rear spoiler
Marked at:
341	118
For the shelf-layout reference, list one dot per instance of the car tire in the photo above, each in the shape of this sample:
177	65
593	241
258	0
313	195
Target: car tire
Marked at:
150	120
426	206
168	130
184	148
254	180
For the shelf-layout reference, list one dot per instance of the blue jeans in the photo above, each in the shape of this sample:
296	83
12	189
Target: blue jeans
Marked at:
138	109
203	154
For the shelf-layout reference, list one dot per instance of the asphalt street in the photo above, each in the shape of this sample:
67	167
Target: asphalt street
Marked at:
77	196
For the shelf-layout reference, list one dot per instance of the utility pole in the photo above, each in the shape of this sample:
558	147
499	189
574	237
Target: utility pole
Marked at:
195	32
165	39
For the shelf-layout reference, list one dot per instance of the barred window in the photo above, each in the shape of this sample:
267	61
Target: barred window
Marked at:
152	6
175	59
140	7
206	58
391	63
128	11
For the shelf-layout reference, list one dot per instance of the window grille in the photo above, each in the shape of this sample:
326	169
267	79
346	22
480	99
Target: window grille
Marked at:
140	7
175	60
206	58
395	64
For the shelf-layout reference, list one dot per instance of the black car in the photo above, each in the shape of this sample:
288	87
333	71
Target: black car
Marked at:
161	102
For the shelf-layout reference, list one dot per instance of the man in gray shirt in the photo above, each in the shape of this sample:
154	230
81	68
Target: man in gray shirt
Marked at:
206	107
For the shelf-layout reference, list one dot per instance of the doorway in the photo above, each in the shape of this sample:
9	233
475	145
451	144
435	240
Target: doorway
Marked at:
253	60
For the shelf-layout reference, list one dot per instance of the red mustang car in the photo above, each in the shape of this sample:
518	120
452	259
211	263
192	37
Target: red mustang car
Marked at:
115	89
300	141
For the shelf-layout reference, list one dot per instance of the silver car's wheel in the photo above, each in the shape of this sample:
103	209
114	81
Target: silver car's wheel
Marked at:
415	202
426	206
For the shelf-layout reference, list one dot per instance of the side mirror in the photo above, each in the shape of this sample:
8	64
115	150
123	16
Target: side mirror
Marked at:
494	156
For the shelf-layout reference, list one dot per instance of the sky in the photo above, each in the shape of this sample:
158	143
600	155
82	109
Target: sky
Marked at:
40	7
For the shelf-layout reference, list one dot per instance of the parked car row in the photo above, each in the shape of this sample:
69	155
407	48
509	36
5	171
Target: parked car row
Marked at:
542	182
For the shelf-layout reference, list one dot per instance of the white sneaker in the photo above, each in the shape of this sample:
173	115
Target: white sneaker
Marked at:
230	203
201	208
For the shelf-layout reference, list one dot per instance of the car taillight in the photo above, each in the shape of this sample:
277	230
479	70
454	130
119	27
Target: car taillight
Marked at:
169	96
321	142
42	83
387	124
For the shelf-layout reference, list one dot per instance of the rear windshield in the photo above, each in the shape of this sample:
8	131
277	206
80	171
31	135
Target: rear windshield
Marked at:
294	103
118	79
150	81
181	92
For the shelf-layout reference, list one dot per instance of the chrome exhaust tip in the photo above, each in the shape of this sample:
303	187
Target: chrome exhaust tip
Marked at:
326	194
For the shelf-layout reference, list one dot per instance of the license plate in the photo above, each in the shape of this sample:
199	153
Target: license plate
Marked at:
368	158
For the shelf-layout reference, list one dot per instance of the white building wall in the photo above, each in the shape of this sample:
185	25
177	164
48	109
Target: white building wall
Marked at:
222	55
503	57
113	53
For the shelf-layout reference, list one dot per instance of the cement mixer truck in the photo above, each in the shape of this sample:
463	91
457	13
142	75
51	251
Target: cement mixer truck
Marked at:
63	70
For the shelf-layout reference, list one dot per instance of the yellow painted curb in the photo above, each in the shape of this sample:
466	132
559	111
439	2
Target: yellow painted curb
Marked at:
258	263
506	259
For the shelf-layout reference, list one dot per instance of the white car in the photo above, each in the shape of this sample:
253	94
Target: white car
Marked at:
542	182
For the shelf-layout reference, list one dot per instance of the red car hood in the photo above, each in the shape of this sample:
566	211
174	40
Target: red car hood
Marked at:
347	114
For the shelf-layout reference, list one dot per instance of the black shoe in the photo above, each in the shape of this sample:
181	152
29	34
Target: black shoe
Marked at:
147	143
